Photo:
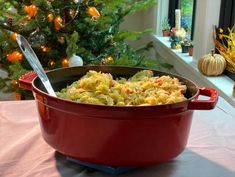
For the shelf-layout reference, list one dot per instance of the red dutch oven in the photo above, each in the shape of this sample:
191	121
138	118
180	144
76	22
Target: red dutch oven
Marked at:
115	135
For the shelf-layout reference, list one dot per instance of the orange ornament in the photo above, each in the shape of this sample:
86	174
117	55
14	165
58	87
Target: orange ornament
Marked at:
14	56
31	10
65	62
14	82
50	17
93	12
13	36
58	23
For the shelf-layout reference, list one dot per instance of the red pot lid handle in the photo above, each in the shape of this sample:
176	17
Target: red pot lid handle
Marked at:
25	81
204	104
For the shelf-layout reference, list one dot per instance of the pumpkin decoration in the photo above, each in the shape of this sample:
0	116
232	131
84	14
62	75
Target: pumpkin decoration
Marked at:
212	64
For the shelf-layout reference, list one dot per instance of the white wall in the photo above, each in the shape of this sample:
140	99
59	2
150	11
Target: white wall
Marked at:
150	18
139	22
134	22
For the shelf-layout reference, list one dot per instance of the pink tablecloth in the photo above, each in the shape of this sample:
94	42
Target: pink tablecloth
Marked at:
23	153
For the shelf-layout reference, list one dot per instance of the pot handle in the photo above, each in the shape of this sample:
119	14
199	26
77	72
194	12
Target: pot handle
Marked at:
204	104
26	80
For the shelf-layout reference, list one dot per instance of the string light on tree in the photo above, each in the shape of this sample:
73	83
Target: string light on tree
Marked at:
51	63
65	62
75	60
45	48
73	13
56	29
14	56
15	83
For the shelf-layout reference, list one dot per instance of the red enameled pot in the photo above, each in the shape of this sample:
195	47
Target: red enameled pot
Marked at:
114	135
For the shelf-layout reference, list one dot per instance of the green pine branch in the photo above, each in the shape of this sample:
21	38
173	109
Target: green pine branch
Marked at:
93	39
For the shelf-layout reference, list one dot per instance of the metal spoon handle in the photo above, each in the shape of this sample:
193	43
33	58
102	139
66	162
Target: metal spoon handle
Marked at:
34	62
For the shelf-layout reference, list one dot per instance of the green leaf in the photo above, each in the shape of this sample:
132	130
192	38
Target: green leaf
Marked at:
128	35
132	35
2	83
72	44
142	5
16	70
125	61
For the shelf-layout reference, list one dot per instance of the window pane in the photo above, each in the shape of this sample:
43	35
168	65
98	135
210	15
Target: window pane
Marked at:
186	7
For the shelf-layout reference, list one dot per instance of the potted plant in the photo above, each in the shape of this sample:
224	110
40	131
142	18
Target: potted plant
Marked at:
186	43
190	48
166	27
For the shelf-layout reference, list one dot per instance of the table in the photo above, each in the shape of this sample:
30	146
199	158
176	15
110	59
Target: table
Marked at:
210	151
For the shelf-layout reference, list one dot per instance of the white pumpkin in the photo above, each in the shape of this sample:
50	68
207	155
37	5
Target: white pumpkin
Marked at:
212	64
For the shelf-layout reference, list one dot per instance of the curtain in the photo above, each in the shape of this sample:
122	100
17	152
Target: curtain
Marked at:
227	14
173	4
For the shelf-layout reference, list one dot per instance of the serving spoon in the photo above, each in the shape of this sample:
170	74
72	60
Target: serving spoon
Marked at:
32	59
35	63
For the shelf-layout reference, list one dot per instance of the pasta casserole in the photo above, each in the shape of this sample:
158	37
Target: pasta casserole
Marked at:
141	89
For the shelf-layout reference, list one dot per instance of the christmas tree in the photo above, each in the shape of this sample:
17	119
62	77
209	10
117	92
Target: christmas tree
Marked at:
68	33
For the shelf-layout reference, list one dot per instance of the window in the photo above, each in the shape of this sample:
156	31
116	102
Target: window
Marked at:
207	15
187	14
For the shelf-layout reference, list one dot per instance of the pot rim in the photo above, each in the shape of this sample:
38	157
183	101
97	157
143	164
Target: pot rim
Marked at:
37	90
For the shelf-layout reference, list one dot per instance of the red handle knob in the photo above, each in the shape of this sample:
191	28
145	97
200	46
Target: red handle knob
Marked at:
204	104
26	80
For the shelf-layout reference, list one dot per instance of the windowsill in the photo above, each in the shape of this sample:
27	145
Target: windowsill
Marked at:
186	66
